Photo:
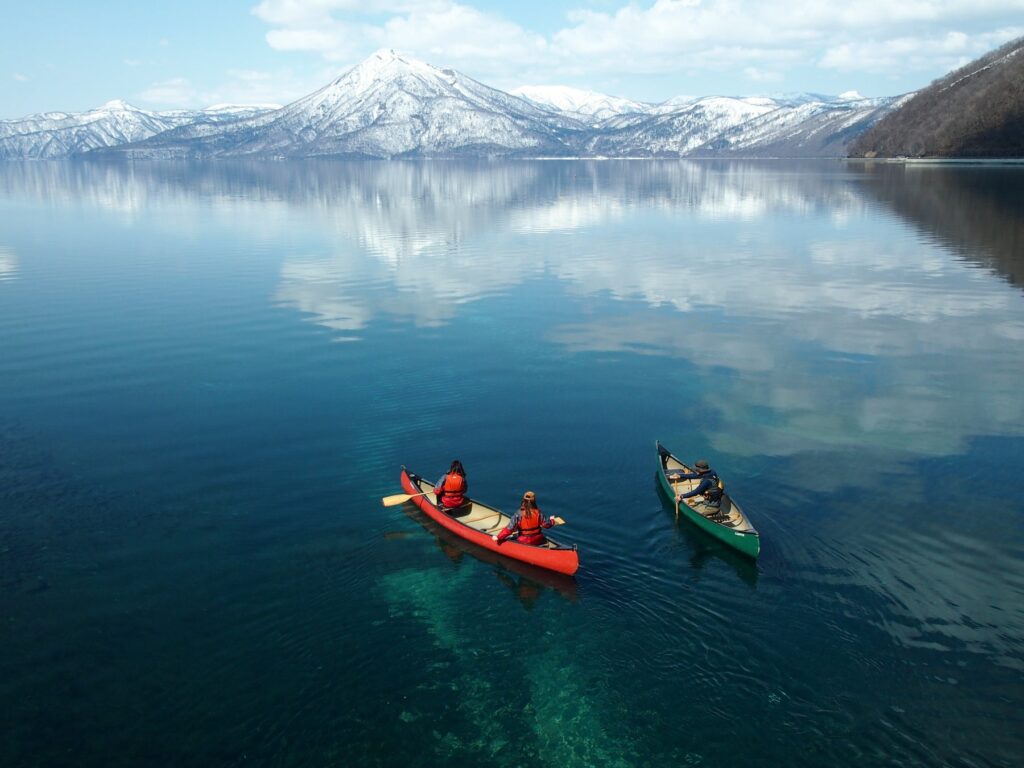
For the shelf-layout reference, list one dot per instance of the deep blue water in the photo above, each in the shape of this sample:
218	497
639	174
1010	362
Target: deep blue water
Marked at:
210	375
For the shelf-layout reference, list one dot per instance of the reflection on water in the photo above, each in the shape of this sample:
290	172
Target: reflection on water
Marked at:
974	209
844	342
8	264
525	581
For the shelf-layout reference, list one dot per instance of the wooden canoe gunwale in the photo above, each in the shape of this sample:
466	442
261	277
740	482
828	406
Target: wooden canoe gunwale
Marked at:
744	539
551	555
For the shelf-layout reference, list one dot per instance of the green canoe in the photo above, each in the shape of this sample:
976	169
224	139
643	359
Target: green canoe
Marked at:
728	524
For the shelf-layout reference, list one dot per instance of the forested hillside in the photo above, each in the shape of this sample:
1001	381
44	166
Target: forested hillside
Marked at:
976	111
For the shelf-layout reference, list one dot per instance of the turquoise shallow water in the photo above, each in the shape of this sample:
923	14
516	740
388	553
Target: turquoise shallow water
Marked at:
209	375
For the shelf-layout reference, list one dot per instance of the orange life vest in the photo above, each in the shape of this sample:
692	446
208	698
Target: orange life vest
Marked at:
453	489
529	522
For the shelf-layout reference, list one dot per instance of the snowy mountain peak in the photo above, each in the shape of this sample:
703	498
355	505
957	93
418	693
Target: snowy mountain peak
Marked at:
849	96
566	99
241	108
384	65
386	56
119	105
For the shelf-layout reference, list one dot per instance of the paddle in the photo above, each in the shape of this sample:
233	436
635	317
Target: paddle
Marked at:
675	491
401	498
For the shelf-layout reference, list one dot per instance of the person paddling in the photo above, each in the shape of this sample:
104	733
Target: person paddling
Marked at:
528	522
451	488
709	487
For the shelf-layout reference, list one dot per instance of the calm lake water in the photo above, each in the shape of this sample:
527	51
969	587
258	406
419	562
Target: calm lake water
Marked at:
210	375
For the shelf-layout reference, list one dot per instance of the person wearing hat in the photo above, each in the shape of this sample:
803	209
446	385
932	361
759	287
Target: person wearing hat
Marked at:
708	487
528	522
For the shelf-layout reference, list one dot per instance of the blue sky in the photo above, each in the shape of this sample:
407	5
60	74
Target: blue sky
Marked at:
71	56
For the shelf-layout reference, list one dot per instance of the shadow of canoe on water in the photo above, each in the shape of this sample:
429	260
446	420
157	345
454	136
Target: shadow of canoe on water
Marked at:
703	546
527	582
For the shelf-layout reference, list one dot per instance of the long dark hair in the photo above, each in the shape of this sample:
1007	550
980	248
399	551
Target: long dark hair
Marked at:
529	502
457	468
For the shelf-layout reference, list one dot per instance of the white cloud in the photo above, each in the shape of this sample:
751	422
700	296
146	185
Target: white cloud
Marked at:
20	77
696	35
757	42
173	92
762	75
454	33
241	86
306	12
320	40
950	50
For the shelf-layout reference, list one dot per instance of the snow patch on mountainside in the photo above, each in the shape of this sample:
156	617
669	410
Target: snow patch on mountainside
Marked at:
811	129
580	103
676	132
60	134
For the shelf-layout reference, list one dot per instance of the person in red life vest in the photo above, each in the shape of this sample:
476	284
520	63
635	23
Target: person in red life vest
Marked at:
451	488
528	522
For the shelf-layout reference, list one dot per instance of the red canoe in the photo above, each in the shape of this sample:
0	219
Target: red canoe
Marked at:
477	522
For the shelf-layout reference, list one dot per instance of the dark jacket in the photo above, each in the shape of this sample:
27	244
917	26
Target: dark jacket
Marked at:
708	481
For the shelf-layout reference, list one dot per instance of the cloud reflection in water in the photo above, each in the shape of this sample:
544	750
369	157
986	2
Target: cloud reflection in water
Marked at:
837	321
822	304
8	264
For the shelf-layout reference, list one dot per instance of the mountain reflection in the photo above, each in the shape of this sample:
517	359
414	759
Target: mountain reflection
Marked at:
978	210
831	317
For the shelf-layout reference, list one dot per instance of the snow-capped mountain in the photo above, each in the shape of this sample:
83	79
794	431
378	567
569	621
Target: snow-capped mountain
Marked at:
809	129
60	134
387	106
738	106
677	131
585	106
395	106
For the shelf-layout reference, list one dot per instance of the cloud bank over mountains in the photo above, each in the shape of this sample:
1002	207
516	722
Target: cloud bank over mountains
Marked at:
719	41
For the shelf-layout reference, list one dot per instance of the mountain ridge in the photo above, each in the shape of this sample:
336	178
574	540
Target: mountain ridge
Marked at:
390	105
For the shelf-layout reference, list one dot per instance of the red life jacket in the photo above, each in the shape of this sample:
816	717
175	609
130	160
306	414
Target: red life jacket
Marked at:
529	522
453	490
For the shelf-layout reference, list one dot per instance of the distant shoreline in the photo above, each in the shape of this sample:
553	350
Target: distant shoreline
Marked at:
116	159
940	160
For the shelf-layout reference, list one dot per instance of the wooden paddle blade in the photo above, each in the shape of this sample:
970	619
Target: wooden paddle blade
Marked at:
557	520
400	498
